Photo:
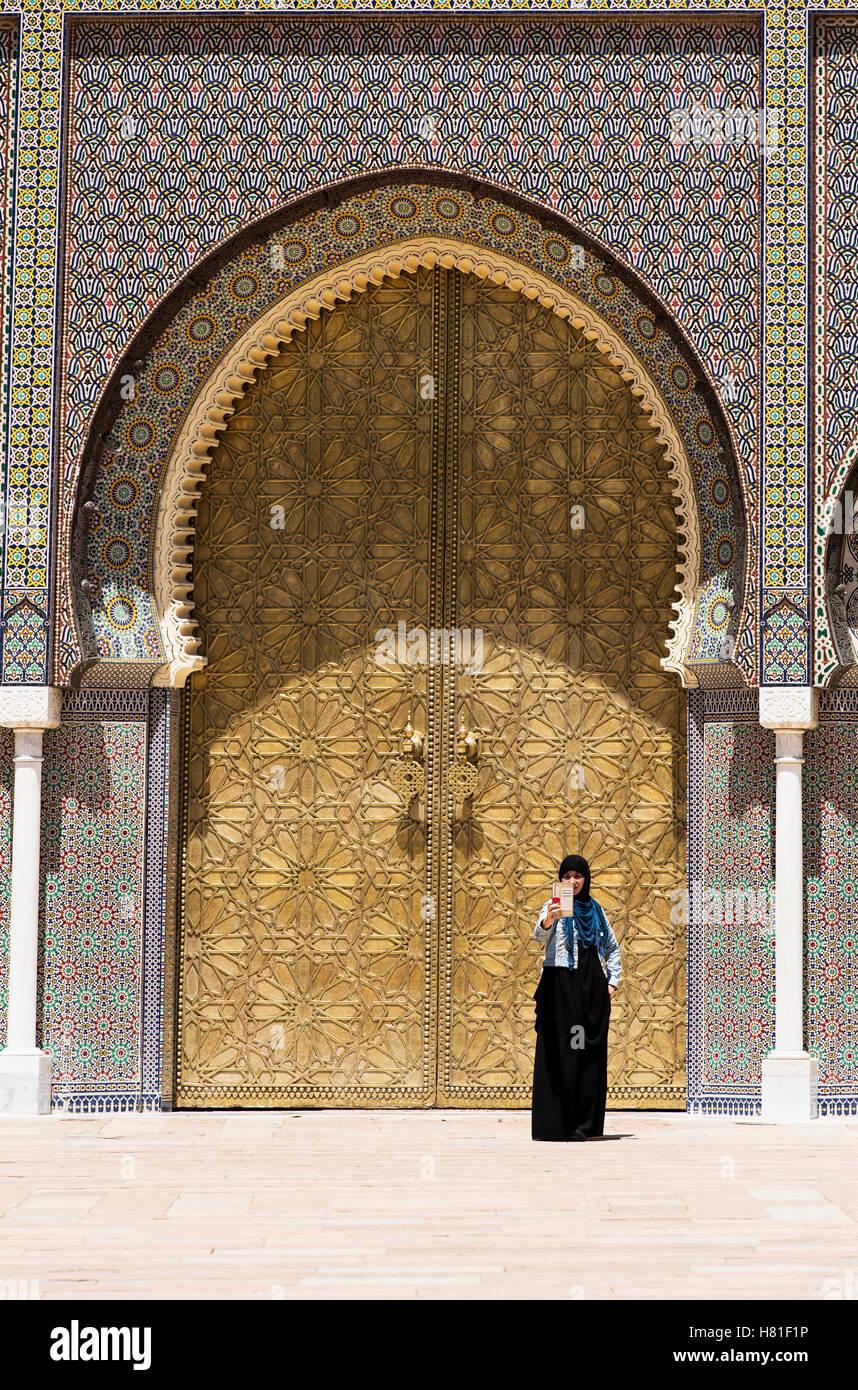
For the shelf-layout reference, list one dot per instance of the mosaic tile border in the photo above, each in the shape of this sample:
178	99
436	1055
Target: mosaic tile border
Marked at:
835	350
8	124
156	889
835	1098
130	471
7	788
151	711
741	706
732	44
23	516
26	619
90	918
784	555
831	873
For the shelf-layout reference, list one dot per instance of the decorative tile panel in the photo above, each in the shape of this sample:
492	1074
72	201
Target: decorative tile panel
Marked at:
835	341
93	807
28	482
104	889
830	804
731	772
731	798
22	516
198	341
7	777
786	27
575	115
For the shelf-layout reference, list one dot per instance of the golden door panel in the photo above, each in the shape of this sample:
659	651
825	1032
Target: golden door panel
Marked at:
307	970
340	945
582	733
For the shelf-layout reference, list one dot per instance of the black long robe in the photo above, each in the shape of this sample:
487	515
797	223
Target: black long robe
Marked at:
570	1080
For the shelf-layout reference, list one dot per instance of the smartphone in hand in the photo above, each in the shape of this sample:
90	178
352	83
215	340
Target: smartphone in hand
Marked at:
564	898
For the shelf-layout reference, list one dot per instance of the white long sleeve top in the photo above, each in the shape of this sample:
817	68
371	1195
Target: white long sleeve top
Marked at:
556	952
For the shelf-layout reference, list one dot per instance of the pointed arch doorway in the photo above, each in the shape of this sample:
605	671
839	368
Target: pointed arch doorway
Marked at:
440	455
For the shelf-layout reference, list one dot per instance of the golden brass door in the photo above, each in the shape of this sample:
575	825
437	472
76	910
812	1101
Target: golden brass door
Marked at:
385	537
565	560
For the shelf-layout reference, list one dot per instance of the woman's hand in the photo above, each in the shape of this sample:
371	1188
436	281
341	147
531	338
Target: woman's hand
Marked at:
553	915
611	990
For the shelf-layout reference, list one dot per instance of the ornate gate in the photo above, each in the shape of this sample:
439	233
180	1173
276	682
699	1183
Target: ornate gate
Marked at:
435	558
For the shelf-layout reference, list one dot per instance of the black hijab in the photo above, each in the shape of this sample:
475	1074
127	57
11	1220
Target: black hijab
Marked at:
573	863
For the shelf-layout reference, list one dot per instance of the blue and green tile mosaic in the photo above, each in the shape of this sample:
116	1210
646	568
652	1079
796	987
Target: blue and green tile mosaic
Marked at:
195	344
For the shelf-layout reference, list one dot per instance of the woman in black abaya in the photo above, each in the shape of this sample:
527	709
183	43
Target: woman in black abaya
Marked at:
573	1011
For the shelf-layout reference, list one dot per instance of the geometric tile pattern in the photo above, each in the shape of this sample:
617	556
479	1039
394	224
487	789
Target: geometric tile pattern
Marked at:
157	885
621	193
126	486
331	100
730	868
92	850
784	559
835	342
23	514
32	400
731	956
352	100
7	772
785	604
103	890
830	803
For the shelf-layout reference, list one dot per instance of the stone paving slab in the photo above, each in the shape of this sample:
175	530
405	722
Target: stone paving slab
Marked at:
425	1204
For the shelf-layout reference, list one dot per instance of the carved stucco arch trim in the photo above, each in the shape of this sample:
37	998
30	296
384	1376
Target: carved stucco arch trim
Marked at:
835	648
220	394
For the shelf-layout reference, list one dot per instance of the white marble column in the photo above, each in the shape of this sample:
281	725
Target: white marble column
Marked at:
25	1071
790	1074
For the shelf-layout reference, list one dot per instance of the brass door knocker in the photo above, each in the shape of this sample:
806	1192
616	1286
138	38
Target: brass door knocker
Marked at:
463	773
408	773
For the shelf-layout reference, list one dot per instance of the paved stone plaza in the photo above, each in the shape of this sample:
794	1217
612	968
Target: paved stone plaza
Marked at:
426	1204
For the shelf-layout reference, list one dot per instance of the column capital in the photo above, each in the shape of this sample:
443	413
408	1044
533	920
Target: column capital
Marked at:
789	707
30	706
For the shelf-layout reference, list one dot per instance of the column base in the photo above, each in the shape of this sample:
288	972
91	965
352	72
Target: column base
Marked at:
25	1081
789	1090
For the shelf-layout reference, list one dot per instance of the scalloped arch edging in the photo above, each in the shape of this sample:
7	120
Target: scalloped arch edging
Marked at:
217	400
834	642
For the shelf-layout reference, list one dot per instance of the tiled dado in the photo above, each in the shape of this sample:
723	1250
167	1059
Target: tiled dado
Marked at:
106	882
103	896
731	797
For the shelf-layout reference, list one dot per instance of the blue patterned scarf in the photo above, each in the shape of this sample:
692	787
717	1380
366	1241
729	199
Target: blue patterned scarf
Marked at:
589	920
590	923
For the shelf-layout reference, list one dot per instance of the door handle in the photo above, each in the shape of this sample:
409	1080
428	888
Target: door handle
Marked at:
467	745
463	773
412	743
409	773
